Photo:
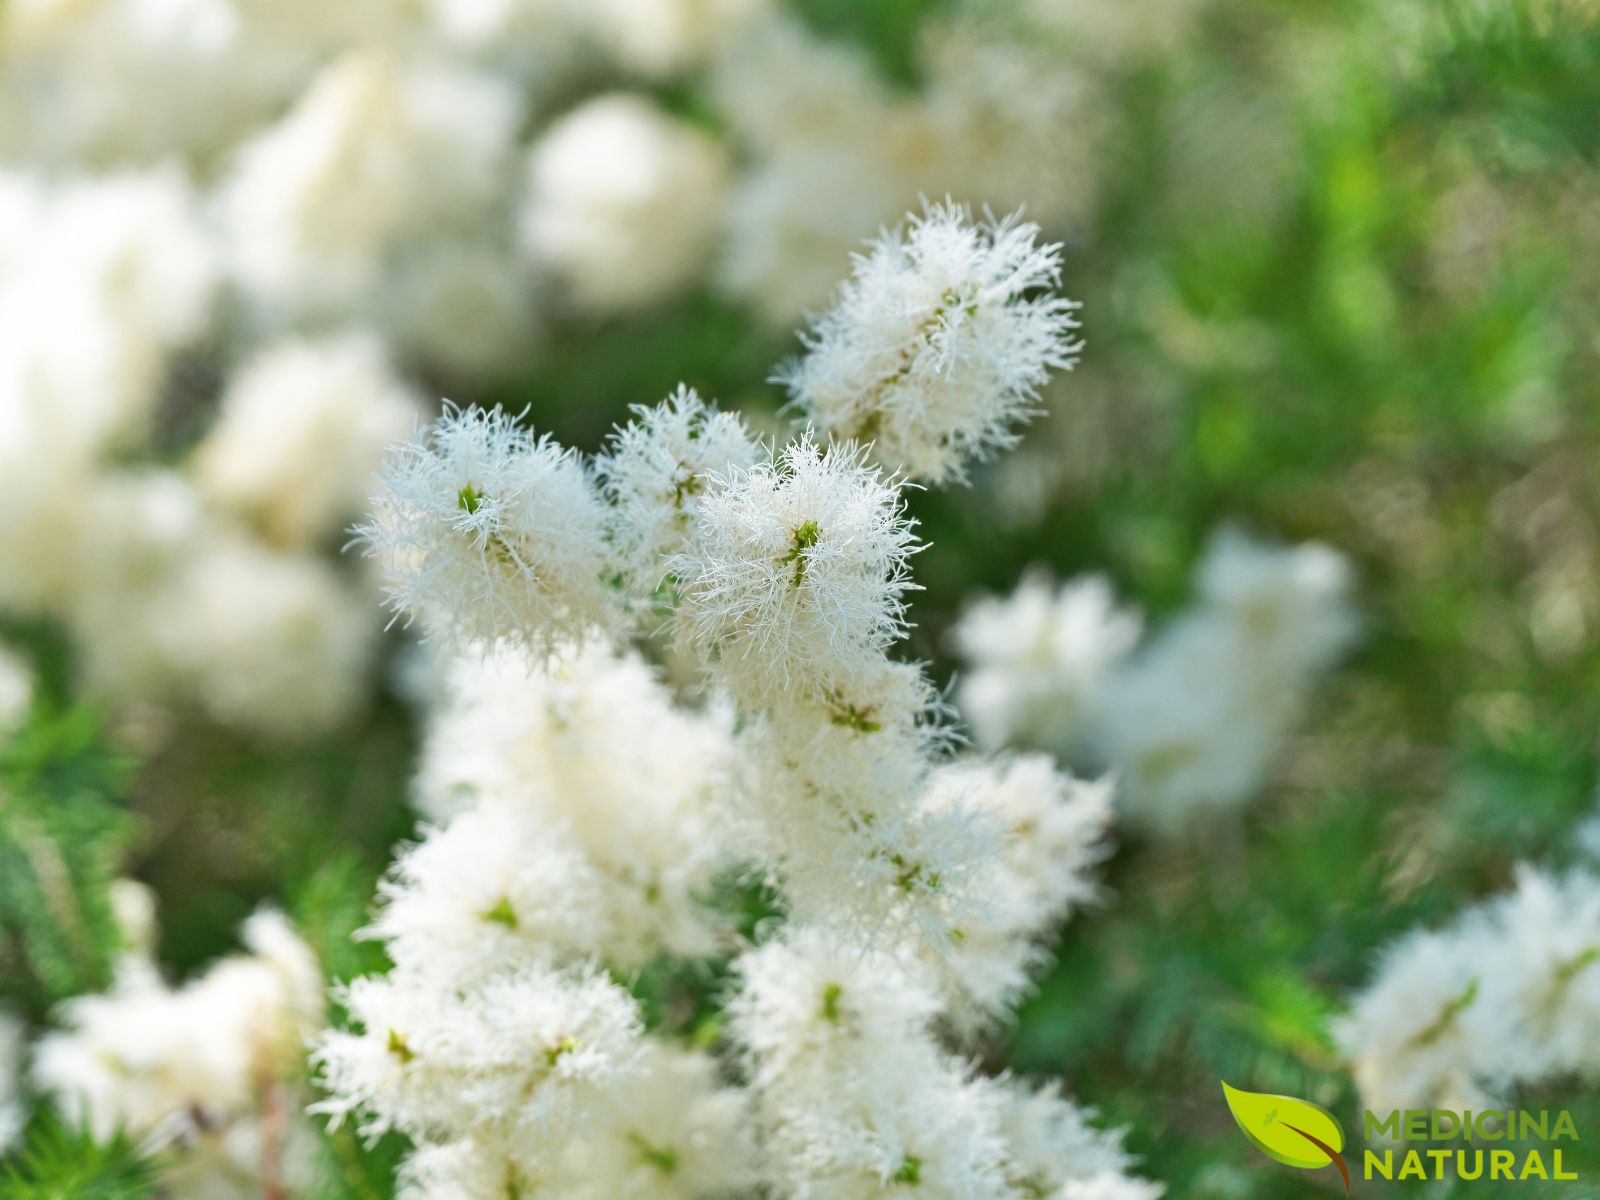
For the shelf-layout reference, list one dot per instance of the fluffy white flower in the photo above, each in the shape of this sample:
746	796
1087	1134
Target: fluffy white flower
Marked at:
588	746
795	571
1416	1037
1546	971
1037	661
375	153
622	201
1052	835
853	1094
302	430
484	531
675	1133
654	472
67	69
939	343
494	888
529	1052
1052	1146
1293	601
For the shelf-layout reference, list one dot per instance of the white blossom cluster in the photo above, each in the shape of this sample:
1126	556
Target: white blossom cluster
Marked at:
209	1068
216	303
1192	719
1000	117
1505	995
585	818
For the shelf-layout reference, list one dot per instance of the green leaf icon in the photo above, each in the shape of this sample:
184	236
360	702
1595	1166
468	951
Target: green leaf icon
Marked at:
1294	1132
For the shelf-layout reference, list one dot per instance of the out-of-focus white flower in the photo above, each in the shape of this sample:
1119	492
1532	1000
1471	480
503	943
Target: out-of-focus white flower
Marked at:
622	201
795	571
1294	601
168	606
484	531
262	640
464	302
835	154
67	69
114	275
659	36
302	429
1545	972
16	691
11	1110
654	473
1037	661
1505	995
191	1065
939	343
1195	720
376	153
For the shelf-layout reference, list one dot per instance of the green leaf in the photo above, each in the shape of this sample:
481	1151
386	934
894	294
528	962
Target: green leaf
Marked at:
1286	1129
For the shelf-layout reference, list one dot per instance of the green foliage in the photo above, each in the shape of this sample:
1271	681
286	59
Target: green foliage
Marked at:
63	836
58	1162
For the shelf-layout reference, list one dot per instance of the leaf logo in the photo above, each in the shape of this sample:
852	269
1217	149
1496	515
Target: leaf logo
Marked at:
1294	1132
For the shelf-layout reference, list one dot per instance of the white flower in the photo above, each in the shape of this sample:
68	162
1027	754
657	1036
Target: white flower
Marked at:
658	36
1195	720
654	472
622	201
1546	972
11	1109
1409	1037
1052	835
492	889
375	154
675	1133
1293	601
854	1095
261	640
939	343
528	1052
1506	995
1052	1146
16	691
175	1065
485	532
795	571
1037	662
302	430
588	746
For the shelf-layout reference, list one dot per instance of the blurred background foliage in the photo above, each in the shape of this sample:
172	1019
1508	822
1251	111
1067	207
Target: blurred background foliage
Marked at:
1341	285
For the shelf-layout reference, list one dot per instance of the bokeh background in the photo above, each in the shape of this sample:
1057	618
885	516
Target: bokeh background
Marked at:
1339	275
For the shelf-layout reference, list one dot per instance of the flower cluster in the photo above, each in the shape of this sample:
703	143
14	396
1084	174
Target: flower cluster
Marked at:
1192	720
209	1066
586	819
1505	995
